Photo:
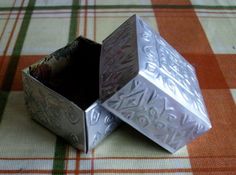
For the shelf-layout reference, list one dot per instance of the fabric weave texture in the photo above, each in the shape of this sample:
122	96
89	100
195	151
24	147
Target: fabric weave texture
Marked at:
204	32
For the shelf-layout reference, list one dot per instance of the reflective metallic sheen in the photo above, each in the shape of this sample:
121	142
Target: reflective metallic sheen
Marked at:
149	85
82	128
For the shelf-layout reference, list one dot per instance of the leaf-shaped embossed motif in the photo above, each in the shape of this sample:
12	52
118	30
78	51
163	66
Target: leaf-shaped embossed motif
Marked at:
108	119
110	128
128	114
71	115
96	138
74	139
95	116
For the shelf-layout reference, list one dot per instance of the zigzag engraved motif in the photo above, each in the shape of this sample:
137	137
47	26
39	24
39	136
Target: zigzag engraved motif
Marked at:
165	65
118	63
151	112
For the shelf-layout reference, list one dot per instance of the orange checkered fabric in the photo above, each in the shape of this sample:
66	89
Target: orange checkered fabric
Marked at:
204	32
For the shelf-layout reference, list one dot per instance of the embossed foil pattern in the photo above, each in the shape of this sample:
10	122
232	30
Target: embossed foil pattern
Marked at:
119	62
83	128
165	66
54	112
163	99
100	123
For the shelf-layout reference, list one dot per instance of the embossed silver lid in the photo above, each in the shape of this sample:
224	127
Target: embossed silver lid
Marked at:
149	85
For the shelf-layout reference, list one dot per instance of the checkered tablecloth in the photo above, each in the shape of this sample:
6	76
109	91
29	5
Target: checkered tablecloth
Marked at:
203	31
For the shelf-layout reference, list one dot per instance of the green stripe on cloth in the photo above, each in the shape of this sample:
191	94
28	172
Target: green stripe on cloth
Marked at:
128	6
14	59
59	157
73	22
60	148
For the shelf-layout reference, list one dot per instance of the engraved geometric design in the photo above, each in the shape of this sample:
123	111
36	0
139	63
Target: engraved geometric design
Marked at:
117	72
100	123
83	129
162	99
163	64
54	111
95	116
131	100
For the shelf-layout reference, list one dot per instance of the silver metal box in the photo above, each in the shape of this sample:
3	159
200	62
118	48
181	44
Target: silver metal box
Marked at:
61	93
149	85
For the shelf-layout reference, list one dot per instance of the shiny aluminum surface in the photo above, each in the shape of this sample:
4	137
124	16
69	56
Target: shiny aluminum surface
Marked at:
82	128
54	111
100	123
149	85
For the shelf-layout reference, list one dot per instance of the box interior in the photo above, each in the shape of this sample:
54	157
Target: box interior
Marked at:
78	80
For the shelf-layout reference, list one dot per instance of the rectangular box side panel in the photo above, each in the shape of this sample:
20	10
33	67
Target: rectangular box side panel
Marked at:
118	60
99	123
54	111
149	110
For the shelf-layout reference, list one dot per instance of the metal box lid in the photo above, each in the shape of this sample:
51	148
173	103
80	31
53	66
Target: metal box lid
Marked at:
149	85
